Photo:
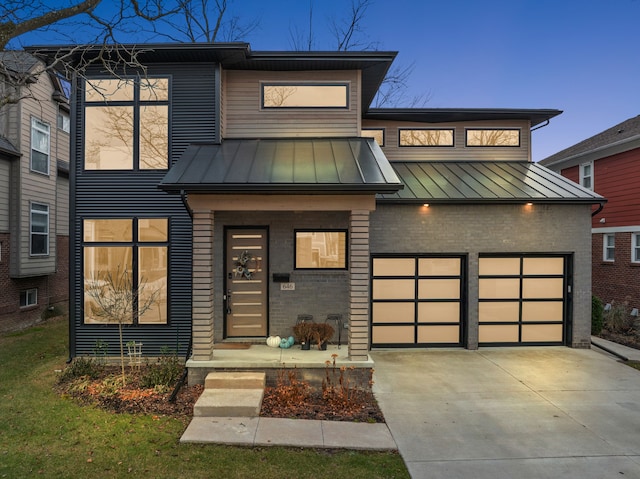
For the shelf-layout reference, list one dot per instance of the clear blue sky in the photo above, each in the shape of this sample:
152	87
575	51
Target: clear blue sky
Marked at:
579	56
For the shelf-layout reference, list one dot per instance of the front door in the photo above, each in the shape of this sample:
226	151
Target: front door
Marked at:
246	282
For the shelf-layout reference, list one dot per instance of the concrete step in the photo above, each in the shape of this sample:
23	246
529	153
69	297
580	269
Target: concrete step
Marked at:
235	380
229	403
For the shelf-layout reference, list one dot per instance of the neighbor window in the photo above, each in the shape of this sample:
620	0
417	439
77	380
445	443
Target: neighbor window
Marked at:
40	137
29	297
321	250
493	137
608	247
125	262
426	137
375	133
64	122
126	124
586	175
39	230
635	247
305	95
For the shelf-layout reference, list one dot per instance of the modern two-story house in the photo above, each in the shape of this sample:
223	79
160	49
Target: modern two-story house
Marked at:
34	191
244	189
607	163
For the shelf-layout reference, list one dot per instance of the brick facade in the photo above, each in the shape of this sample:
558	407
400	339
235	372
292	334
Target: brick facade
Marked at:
619	280
53	290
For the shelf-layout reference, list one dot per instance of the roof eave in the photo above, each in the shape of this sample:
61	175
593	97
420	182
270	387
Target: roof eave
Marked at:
281	189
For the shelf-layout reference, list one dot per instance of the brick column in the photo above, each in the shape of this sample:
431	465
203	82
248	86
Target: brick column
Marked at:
359	285
202	310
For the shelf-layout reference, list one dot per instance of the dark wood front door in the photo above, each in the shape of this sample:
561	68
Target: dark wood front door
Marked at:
246	283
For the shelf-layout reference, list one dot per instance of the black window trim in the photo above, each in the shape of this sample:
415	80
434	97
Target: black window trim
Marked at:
466	137
453	138
346	84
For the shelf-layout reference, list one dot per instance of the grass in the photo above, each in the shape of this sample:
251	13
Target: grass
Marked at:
42	434
633	364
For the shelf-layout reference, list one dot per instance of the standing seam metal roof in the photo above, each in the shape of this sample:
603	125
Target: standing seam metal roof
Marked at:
484	182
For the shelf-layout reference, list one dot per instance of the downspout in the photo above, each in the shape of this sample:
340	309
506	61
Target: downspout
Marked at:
600	207
541	126
183	197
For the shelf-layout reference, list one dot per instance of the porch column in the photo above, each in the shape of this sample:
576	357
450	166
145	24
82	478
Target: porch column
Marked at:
359	285
202	310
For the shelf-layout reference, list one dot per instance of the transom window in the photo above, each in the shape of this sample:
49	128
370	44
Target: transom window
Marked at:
608	247
375	133
321	249
426	137
39	230
126	124
586	175
125	265
305	95
505	137
40	140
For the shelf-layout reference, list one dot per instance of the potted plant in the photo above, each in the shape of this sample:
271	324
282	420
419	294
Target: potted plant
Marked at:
322	333
304	334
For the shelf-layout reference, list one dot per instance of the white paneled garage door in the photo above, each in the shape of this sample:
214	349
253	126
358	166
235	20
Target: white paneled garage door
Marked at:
522	299
417	300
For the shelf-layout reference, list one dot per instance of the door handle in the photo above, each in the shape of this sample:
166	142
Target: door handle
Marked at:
228	301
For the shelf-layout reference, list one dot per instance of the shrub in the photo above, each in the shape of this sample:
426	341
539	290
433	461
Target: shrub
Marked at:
339	387
597	315
81	367
290	390
618	319
163	373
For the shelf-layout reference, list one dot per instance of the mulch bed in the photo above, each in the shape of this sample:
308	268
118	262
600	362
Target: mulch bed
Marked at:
136	400
630	340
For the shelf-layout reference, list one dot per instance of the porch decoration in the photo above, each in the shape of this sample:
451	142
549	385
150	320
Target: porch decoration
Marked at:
273	341
323	332
241	267
286	343
303	333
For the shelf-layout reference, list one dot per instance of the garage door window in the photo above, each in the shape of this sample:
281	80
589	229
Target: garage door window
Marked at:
521	299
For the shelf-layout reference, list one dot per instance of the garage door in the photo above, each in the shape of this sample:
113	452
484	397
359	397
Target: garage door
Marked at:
417	300
522	299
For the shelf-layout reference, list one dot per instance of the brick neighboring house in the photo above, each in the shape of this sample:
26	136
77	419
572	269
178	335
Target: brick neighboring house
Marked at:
34	193
248	187
609	164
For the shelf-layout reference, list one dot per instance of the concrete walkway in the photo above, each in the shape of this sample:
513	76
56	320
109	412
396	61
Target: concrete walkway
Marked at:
496	413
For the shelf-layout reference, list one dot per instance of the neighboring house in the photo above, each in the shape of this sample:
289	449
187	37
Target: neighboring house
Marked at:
34	192
247	188
609	164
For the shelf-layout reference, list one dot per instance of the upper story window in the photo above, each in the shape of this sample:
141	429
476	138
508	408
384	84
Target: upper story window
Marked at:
40	140
305	95
39	230
375	133
608	247
64	121
426	137
503	137
586	175
126	124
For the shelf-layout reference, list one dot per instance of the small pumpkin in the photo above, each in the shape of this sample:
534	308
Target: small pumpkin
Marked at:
284	343
273	341
290	341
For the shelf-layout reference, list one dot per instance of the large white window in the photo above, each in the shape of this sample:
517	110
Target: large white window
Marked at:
40	137
608	247
586	175
39	229
635	247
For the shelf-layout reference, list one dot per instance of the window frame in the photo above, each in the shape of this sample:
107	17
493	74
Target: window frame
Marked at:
134	245
635	247
466	137
320	230
345	84
29	293
40	126
60	121
453	137
31	224
606	248
382	130
137	105
583	176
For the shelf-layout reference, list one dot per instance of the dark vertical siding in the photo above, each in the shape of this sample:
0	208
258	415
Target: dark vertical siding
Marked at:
111	194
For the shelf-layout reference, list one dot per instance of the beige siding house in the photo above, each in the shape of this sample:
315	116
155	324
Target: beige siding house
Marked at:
34	141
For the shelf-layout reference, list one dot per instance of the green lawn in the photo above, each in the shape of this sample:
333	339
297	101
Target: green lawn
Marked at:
43	435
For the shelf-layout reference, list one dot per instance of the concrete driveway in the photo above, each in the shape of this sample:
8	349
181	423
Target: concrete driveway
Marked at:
539	412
